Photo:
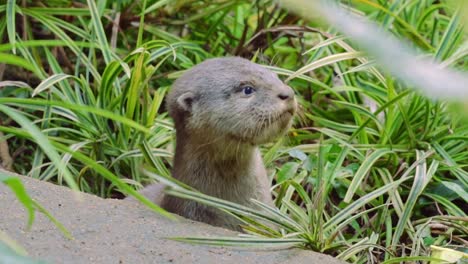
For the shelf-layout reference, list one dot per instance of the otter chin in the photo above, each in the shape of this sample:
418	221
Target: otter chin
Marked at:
223	108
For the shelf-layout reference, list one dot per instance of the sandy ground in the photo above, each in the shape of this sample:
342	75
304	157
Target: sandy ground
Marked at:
120	231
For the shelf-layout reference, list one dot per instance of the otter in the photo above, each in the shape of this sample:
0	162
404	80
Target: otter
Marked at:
223	108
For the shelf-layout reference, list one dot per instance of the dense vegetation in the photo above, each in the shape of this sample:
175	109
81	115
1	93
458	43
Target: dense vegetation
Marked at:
372	171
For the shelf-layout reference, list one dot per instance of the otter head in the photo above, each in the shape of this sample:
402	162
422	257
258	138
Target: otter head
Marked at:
234	99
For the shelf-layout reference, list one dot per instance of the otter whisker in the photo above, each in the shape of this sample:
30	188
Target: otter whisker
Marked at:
263	122
238	150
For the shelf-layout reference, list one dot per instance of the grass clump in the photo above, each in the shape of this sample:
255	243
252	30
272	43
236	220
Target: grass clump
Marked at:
372	171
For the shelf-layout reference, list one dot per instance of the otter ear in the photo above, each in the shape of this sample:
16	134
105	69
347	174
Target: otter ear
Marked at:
185	101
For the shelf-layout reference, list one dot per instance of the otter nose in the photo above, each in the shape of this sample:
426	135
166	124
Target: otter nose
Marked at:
286	94
283	96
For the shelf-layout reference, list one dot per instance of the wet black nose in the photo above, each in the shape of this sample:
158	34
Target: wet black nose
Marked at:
285	93
283	96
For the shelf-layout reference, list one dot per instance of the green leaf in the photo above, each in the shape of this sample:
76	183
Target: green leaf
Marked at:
241	241
156	6
17	187
53	220
99	30
365	168
61	11
457	189
18	61
421	178
448	40
287	171
11	23
49	82
326	61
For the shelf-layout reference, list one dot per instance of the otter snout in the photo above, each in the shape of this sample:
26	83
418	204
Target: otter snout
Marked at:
286	93
286	96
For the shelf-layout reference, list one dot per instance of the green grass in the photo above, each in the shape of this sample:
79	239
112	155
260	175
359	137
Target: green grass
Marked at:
372	170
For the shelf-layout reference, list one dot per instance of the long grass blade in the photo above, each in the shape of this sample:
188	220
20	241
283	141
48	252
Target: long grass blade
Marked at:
17	187
326	61
11	23
364	169
99	30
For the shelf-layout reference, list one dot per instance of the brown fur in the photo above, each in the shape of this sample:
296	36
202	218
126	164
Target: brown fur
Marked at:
218	129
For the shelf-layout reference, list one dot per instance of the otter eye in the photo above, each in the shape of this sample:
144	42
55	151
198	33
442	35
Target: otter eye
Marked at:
248	90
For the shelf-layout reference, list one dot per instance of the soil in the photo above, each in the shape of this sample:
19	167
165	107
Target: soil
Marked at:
121	231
